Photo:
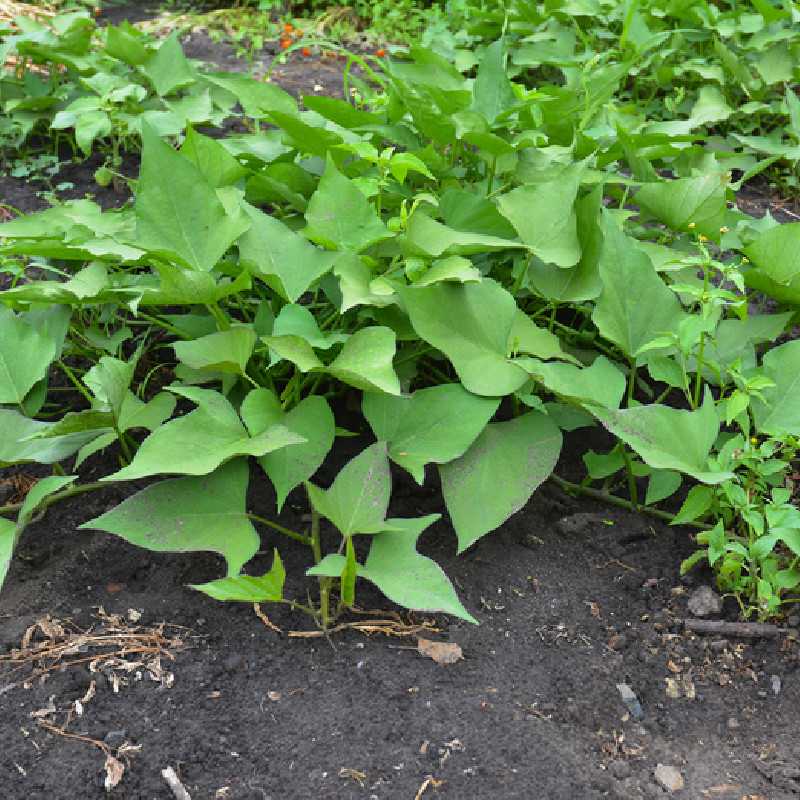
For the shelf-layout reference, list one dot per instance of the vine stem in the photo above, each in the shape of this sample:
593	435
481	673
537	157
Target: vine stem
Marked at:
298	537
62	495
606	497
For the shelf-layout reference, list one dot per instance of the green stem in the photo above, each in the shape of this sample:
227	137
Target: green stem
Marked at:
324	582
298	537
632	489
698	377
620	502
75	382
72	491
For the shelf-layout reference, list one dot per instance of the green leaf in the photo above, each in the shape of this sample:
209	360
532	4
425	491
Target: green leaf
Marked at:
224	351
215	163
359	497
601	383
405	576
266	588
452	268
124	42
687	203
496	477
109	380
663	483
311	419
167	68
710	106
347	584
668	438
366	361
528	338
492	91
544	216
25	355
777	411
16	444
427	237
635	306
340	217
297	320
776	252
294	349
186	515
181	217
8	538
437	424
283	259
471	324
257	98
581	282
197	443
697	502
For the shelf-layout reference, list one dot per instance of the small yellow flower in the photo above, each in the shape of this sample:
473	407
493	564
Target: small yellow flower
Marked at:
745	260
691	225
724	229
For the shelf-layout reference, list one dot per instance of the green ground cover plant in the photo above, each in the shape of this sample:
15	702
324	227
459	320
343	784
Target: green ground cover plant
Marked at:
481	265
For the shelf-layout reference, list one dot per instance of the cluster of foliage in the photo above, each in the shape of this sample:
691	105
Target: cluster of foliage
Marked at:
654	75
459	253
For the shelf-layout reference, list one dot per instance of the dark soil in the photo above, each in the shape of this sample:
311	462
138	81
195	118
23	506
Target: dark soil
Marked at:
573	599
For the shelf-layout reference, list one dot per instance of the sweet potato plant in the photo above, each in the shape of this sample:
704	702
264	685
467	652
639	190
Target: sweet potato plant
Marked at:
483	263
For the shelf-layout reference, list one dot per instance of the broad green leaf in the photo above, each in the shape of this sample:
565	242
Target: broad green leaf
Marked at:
544	216
16	444
295	349
186	515
635	306
492	91
215	163
25	355
266	588
258	98
496	477
601	383
90	126
663	483
778	413
427	237
224	351
777	64
710	106
359	497
451	268
305	136
340	217
355	284
77	422
181	217
197	443
283	259
471	324
167	68
109	380
124	42
668	438
528	338
297	320
776	252
405	576
697	502
366	361
436	424
40	491
581	282
687	204
311	418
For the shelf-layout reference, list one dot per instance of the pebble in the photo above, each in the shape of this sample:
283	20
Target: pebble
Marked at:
704	602
775	682
719	645
669	777
793	620
620	769
733	724
619	641
577	524
631	700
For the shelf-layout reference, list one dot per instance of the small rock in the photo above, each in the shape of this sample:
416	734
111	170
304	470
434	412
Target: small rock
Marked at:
775	682
631	700
669	777
620	769
733	724
719	645
793	620
619	641
704	602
